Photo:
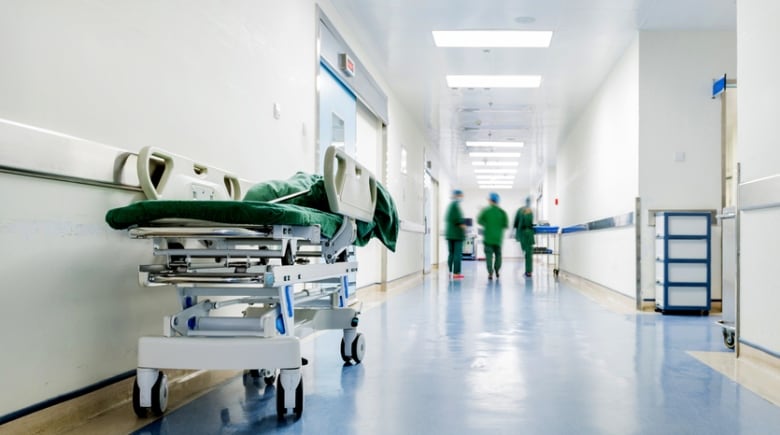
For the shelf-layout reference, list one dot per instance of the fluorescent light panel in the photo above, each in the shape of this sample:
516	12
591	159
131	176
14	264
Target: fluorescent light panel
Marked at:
494	163
481	178
494	81
495	187
496	144
493	38
490	155
495	171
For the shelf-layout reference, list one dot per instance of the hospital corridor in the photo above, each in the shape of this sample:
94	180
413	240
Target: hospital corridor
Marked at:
389	217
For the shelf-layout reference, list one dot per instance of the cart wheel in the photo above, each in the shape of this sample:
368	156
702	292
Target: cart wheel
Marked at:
728	339
344	352
248	379
269	377
555	273
159	398
281	411
359	348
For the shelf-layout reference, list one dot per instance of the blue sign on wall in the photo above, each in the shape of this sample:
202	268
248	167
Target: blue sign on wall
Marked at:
718	86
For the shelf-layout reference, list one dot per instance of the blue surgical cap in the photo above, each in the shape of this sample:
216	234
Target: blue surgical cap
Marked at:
457	192
494	197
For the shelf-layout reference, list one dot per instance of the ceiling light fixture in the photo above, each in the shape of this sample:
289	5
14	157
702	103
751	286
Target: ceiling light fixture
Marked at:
494	163
495	171
495	144
494	81
496	187
508	179
492	38
481	154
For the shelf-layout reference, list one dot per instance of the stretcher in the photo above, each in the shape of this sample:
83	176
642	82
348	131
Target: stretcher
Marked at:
285	264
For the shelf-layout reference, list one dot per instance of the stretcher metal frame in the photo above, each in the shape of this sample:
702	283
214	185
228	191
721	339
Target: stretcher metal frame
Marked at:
260	267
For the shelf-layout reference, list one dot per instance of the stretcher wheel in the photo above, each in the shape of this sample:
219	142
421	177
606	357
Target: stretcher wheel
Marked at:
344	352
359	348
728	339
159	398
281	411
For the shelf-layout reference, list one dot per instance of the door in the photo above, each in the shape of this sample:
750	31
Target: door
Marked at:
728	214
427	217
337	115
338	126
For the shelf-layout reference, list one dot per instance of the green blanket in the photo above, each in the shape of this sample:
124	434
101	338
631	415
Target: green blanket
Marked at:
310	208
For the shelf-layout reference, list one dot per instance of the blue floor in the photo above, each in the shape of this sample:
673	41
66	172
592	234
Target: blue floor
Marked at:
507	357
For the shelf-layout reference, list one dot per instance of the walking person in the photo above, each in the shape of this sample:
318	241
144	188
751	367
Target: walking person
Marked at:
494	221
455	233
524	233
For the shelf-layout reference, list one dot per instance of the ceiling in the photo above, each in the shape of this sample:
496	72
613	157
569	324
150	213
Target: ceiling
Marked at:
589	37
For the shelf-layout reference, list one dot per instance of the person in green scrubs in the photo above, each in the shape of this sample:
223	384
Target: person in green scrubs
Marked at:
524	233
455	233
494	221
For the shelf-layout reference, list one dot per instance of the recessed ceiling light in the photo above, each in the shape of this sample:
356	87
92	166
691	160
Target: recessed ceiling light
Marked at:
495	171
503	144
493	38
494	81
481	154
496	187
494	163
495	177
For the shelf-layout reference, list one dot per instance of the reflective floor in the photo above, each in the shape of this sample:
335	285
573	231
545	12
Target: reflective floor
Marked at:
499	357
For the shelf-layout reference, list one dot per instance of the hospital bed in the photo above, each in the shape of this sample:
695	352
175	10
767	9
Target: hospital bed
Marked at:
277	256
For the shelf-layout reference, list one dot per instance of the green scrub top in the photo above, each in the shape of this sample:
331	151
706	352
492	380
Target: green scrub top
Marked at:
524	226
494	220
453	221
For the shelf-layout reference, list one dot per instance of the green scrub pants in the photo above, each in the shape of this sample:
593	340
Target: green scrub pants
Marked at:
455	256
493	264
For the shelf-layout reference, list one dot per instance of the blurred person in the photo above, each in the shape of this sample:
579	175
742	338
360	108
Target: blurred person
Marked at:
455	233
494	221
524	233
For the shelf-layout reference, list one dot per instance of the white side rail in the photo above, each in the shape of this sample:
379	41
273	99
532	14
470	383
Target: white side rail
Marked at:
164	175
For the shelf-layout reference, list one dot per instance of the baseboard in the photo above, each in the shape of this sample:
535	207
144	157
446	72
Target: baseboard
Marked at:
183	385
404	282
757	355
610	298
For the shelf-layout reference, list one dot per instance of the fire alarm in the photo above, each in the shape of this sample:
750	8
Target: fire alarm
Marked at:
556	201
346	64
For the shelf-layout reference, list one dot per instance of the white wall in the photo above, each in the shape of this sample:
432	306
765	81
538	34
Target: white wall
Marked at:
602	257
369	154
407	191
197	78
597	162
677	114
757	151
597	178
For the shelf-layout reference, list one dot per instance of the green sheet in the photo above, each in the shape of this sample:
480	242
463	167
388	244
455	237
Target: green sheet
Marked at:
226	212
307	209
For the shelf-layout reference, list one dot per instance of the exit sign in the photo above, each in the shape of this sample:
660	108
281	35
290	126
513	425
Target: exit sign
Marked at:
347	65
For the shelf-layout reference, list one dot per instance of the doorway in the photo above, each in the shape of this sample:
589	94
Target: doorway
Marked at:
337	115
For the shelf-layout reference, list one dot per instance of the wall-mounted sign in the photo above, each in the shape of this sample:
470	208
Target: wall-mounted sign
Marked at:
346	64
718	86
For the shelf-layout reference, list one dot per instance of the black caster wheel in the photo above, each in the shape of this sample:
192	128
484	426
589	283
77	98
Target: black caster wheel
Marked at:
344	352
359	348
728	339
159	398
281	411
